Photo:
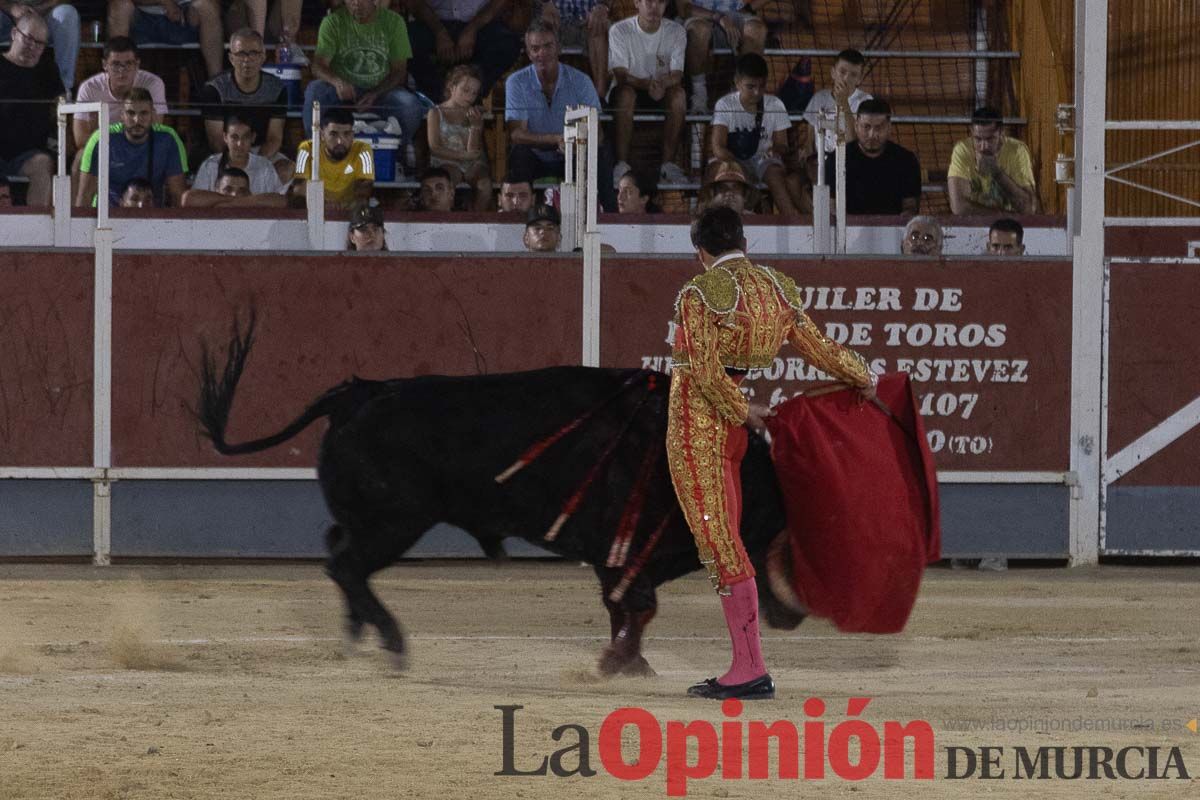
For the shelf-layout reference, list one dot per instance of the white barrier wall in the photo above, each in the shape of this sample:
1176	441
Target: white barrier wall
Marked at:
444	235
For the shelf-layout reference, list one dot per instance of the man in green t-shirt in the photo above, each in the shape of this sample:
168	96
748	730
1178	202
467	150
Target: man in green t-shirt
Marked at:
362	62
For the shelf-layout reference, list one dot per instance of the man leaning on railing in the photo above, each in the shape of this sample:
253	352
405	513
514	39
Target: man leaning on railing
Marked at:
990	171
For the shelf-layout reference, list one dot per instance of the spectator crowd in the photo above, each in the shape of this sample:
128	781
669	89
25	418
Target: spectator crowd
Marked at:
423	68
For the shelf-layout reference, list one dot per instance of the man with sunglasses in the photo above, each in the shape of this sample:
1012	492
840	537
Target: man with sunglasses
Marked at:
29	86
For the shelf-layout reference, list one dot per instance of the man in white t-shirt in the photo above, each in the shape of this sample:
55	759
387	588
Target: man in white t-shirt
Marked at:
751	128
843	99
645	54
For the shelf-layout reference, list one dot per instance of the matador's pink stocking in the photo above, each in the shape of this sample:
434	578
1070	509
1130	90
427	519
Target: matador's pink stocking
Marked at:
741	615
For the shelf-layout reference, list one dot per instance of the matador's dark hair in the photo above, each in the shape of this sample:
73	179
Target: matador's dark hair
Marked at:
718	231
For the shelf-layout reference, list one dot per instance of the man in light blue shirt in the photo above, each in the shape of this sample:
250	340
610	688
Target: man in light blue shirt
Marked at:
536	100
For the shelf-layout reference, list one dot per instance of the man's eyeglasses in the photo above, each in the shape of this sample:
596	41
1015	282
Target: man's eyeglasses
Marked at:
31	39
245	55
918	237
122	66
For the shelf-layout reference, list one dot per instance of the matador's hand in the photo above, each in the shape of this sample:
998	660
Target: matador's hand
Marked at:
867	393
757	417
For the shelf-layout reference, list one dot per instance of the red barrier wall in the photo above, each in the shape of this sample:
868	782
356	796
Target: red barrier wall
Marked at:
1130	241
988	343
46	358
321	319
1154	365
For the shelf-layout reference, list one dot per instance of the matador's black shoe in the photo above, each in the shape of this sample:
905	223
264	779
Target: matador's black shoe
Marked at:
758	689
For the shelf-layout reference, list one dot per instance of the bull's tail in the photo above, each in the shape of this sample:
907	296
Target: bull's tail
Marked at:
216	396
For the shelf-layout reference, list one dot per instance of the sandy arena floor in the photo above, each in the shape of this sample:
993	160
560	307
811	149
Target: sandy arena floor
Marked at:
231	681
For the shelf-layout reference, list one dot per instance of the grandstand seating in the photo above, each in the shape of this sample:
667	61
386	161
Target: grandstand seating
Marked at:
931	96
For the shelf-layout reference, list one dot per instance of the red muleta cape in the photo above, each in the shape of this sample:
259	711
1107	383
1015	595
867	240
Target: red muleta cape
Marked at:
861	495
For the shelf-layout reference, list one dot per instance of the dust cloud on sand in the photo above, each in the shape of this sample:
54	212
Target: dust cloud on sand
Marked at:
16	655
135	634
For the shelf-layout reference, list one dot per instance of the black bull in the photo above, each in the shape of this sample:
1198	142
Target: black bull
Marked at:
402	455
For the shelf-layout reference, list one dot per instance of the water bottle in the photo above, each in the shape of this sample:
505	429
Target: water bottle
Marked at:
284	50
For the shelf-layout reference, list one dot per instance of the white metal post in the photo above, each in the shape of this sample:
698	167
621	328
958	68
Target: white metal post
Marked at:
61	202
569	194
582	168
315	188
822	235
1102	534
591	245
102	174
821	231
1088	332
102	359
1072	220
840	167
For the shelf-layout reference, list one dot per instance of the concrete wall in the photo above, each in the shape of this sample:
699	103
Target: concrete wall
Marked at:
288	519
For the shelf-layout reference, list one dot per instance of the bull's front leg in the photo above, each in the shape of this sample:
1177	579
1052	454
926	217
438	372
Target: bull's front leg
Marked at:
628	619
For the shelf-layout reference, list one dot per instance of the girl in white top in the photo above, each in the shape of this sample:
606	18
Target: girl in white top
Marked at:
455	131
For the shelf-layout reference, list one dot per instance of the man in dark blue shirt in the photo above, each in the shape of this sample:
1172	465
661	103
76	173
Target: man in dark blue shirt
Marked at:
137	148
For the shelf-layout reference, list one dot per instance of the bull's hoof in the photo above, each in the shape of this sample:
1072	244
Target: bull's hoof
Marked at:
352	636
780	617
639	668
396	654
615	662
783	607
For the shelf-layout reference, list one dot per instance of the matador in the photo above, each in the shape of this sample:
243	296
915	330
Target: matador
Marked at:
731	319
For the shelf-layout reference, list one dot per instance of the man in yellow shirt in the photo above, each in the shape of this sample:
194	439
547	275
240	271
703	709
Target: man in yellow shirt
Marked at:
990	172
347	167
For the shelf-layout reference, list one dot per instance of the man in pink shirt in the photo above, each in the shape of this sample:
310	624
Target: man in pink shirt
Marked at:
121	72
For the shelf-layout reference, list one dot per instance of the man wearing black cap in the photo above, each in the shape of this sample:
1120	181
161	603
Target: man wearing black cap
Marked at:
366	229
731	319
543	229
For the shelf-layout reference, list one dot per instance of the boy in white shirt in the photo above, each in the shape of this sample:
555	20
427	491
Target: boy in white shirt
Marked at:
844	98
751	128
645	54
